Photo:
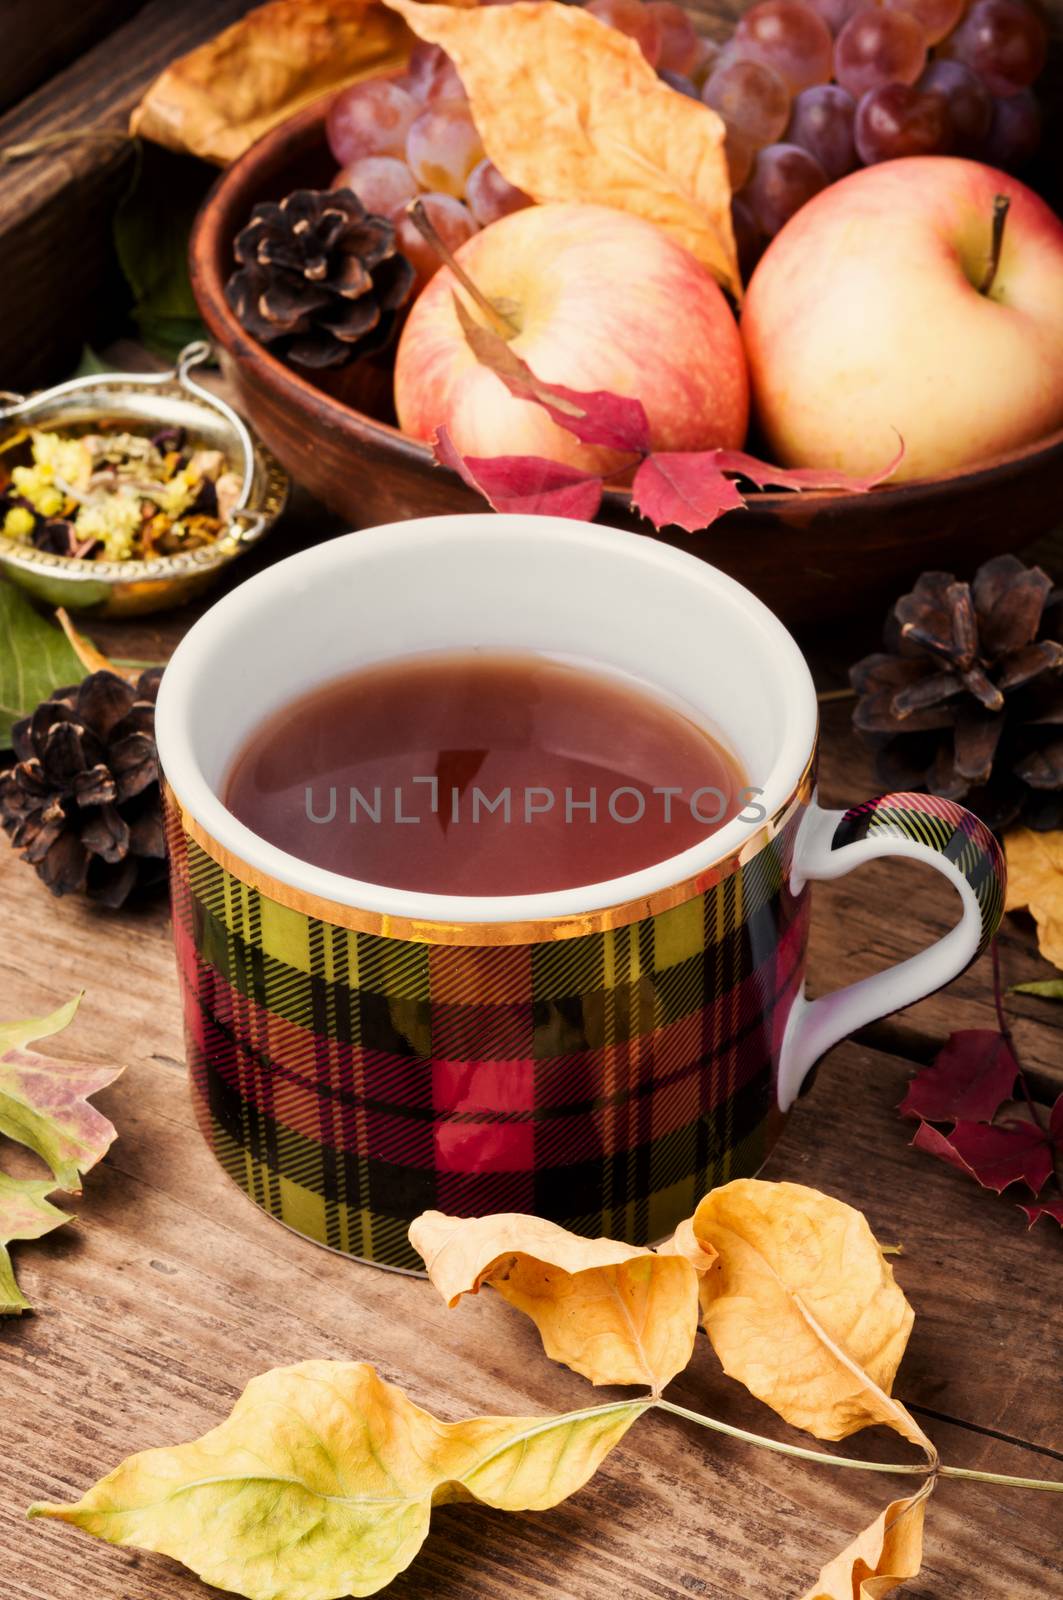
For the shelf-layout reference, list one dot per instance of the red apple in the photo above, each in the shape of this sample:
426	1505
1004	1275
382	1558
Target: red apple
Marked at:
866	319
603	300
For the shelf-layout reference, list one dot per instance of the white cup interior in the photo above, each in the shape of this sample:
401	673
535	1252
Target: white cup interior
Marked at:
621	601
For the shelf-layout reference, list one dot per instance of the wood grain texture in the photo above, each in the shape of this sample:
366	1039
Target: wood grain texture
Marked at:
173	1290
38	37
61	285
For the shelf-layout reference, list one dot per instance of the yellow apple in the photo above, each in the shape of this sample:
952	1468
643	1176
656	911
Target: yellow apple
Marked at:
602	300
866	319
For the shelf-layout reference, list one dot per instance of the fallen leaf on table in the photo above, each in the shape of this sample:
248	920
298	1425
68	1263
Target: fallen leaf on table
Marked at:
801	1306
616	1313
218	99
594	416
1044	1208
34	659
992	1138
1035	883
530	484
994	1156
321	1482
880	1558
44	1101
969	1081
1045	989
25	1213
570	110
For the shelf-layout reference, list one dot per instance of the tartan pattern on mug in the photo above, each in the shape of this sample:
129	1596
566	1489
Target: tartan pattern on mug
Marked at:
947	828
348	1081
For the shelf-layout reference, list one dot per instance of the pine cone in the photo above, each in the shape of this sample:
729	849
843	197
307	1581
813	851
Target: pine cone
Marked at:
82	802
321	280
968	701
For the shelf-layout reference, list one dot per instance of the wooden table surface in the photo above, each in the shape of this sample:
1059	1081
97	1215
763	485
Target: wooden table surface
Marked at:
172	1291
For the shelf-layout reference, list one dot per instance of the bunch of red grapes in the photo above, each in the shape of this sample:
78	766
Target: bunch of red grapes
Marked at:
397	138
811	89
808	90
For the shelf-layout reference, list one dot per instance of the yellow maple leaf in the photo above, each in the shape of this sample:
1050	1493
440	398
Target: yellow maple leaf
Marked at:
801	1305
321	1482
570	110
879	1558
1035	883
615	1313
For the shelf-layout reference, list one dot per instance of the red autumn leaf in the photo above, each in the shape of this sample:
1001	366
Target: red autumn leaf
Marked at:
1044	1208
994	1157
684	488
969	1081
764	472
594	416
524	483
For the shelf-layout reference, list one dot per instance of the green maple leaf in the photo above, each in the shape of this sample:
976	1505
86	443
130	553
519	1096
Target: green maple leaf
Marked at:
44	1102
44	1106
25	1213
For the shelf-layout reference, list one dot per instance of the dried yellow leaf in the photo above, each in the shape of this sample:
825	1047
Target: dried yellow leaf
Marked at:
217	100
613	1312
801	1306
321	1482
880	1558
570	110
1035	883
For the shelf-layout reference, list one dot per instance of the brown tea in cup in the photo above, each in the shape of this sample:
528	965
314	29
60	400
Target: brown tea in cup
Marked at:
483	772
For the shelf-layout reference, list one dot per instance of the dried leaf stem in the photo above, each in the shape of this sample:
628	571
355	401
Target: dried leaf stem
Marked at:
502	325
913	1469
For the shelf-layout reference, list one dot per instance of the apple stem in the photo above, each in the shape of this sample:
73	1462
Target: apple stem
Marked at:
1001	206
429	232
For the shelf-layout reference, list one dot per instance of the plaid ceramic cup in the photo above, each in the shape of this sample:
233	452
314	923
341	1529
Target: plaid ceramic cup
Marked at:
600	1056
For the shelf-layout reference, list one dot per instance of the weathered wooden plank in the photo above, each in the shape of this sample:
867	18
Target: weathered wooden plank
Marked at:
38	37
60	281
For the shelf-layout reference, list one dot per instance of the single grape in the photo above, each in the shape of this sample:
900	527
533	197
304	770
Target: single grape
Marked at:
739	159
751	98
898	120
681	85
634	19
784	178
836	13
788	36
430	74
1014	131
935	17
453	222
969	101
443	146
749	240
877	47
370	119
382	183
678	49
705	60
1003	41
490	196
822	124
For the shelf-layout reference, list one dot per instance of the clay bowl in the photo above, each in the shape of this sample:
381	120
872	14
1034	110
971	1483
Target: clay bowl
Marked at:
811	557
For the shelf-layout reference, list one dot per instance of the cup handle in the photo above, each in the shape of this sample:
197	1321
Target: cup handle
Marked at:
918	827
